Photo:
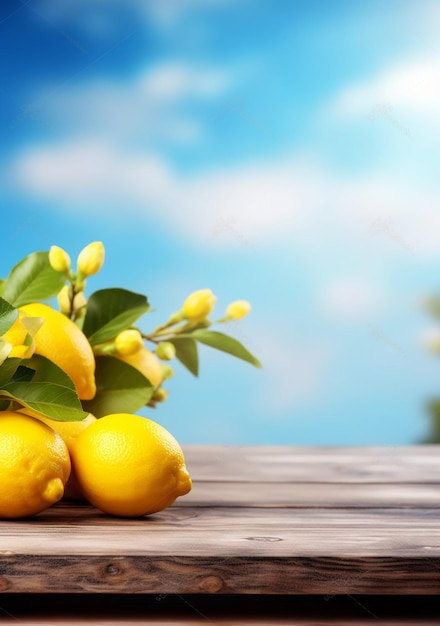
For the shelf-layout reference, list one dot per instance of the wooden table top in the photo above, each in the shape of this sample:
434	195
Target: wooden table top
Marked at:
260	520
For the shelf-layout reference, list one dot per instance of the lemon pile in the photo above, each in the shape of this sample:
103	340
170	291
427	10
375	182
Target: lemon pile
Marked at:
124	464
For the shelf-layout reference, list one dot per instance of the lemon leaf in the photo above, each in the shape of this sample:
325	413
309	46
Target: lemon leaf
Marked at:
45	371
55	401
120	388
8	369
8	315
59	413
109	311
40	385
186	353
32	280
22	374
225	343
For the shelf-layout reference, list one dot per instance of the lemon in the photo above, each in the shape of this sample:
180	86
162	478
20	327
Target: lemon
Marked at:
68	432
147	363
34	465
63	342
129	466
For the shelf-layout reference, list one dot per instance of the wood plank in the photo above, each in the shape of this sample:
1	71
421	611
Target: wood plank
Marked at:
254	540
394	464
230	575
219	533
67	515
295	494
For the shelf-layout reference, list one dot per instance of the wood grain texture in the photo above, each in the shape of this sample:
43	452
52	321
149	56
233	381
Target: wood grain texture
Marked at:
226	532
230	575
382	464
313	495
258	521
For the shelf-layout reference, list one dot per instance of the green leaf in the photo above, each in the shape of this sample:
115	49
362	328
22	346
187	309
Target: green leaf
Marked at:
120	388
45	371
40	385
32	280
8	369
109	311
186	353
8	315
22	375
225	343
2	286
55	401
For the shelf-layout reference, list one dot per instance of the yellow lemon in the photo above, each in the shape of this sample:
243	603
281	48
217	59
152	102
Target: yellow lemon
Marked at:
68	432
63	342
147	363
34	465
129	466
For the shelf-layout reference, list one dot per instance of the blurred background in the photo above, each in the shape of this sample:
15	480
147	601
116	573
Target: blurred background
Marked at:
278	151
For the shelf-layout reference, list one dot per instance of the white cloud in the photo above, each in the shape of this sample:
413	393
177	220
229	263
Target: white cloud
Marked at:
235	205
81	170
174	81
154	104
261	200
239	205
411	86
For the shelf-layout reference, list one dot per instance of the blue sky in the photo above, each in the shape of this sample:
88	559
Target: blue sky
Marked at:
282	152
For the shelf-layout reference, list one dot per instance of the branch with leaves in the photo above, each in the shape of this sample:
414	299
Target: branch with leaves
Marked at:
110	321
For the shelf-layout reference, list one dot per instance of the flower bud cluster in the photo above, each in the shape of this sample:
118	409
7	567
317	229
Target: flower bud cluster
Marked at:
71	299
193	316
89	262
200	304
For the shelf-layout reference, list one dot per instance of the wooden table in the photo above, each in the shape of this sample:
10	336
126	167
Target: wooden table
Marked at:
267	534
